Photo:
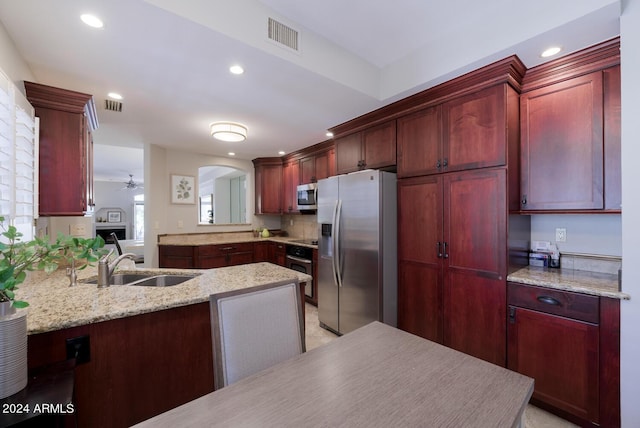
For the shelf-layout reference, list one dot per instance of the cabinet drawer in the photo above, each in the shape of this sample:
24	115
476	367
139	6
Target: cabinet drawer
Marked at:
177	250
578	306
222	249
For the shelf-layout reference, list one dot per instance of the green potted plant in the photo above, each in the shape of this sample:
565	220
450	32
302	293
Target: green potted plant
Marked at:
16	259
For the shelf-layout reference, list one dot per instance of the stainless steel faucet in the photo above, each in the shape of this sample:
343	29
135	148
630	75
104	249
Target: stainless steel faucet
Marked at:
105	269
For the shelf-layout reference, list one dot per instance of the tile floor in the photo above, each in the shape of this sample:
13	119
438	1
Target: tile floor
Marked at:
317	336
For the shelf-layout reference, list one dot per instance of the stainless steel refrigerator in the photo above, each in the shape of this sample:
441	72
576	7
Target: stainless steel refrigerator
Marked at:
357	250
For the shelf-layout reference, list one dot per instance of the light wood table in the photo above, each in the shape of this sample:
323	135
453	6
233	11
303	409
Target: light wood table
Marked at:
376	376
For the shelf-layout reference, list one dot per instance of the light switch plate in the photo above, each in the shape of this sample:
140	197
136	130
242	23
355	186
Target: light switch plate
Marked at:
561	234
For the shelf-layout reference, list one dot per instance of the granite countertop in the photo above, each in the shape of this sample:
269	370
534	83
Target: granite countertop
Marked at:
53	305
226	238
579	281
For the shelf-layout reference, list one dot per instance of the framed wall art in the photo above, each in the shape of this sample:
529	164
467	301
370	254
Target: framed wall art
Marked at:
114	216
183	189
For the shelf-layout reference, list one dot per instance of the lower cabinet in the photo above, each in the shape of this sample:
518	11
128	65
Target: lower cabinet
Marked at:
139	366
215	256
563	340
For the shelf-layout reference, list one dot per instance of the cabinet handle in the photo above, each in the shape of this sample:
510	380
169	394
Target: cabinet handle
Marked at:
446	255
438	249
549	300
226	248
524	200
438	164
445	163
512	315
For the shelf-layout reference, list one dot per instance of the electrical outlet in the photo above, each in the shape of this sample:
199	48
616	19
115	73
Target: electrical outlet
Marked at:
561	234
180	224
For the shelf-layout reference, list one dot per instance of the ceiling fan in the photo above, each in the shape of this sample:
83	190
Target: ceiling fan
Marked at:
131	185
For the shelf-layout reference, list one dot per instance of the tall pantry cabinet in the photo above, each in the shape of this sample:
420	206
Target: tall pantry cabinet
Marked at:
458	178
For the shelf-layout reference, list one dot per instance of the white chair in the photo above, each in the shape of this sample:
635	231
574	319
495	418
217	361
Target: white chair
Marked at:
255	328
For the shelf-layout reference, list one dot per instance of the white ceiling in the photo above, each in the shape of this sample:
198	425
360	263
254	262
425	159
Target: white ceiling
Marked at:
170	60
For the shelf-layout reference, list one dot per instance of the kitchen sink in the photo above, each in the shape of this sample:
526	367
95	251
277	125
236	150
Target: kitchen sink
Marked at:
163	280
145	279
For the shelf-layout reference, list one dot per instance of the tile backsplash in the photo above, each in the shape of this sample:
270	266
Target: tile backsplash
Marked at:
591	263
301	226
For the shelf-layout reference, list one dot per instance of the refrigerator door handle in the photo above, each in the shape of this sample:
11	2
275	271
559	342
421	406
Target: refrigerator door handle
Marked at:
336	243
333	245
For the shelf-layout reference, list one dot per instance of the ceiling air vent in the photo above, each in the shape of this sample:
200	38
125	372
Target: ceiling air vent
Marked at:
113	105
282	34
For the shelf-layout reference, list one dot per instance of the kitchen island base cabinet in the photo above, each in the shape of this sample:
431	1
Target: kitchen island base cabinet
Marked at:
139	366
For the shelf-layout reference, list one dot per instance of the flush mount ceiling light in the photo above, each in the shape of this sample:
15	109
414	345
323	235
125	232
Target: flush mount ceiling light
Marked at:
550	51
228	131
91	20
114	95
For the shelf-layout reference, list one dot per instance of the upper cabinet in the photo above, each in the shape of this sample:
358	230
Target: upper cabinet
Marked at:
570	134
268	185
290	181
467	132
371	148
314	167
67	119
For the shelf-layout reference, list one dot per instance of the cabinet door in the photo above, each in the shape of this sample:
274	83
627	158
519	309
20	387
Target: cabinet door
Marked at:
419	143
561	355
321	165
268	195
308	170
279	254
290	176
348	153
475	263
379	146
420	257
176	256
62	175
612	127
475	130
562	145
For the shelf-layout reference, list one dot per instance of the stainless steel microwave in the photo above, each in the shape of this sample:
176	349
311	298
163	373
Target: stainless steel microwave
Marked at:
308	197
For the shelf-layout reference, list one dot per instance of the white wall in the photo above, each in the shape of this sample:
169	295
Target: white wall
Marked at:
12	63
630	322
586	233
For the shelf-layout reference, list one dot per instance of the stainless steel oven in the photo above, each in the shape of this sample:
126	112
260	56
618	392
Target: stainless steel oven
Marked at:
301	259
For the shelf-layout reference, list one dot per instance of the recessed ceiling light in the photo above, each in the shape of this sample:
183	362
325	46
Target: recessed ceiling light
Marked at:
281	152
114	95
231	154
329	134
91	20
236	69
550	51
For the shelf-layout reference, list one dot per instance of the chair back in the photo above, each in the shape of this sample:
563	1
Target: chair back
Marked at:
117	244
255	328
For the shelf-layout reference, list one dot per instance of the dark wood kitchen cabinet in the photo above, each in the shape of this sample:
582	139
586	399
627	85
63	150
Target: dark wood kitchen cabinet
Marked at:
467	132
222	255
452	265
314	168
268	185
569	343
571	135
290	181
371	148
67	119
139	366
420	142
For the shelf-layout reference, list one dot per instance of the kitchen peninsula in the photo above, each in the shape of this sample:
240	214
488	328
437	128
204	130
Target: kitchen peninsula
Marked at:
150	347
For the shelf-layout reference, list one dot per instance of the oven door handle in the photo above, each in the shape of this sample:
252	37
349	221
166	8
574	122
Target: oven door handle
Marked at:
298	259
